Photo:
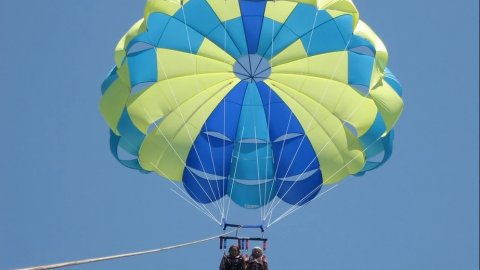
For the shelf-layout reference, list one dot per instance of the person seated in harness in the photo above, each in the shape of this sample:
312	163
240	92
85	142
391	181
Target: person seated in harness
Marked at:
257	261
233	261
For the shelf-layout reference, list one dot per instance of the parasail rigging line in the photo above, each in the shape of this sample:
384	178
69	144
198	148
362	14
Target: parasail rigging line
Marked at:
311	31
270	146
295	207
125	255
276	168
272	205
175	151
258	168
185	199
221	207
326	144
191	139
223	156
234	174
224	110
188	130
268	122
262	199
313	27
331	130
200	207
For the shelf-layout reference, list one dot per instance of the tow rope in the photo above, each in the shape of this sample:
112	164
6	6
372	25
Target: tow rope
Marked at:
113	257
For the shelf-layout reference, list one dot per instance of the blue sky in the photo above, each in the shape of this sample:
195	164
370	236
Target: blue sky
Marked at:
64	197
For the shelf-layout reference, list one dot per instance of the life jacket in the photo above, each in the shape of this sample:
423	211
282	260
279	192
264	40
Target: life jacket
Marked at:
234	263
256	264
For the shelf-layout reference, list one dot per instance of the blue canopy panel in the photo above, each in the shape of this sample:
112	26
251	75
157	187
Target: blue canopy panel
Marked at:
198	15
270	29
131	138
252	17
250	182
300	189
393	81
188	27
298	25
129	163
360	69
170	33
156	24
298	178
370	139
142	66
283	37
112	77
330	36
378	149
208	163
357	42
130	141
228	35
384	146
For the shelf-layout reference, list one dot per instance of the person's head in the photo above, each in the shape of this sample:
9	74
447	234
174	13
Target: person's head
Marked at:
257	252
233	250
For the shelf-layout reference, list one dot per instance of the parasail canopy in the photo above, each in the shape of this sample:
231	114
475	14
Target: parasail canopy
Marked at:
255	101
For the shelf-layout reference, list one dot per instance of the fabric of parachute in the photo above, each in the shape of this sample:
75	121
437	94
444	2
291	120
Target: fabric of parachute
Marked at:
254	100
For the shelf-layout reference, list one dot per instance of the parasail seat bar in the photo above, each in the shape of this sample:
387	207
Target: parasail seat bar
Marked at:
242	241
226	225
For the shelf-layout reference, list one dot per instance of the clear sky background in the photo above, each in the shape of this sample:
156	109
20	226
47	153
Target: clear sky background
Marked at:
64	197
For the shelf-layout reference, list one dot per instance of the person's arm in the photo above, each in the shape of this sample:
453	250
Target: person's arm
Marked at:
265	263
222	264
245	260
